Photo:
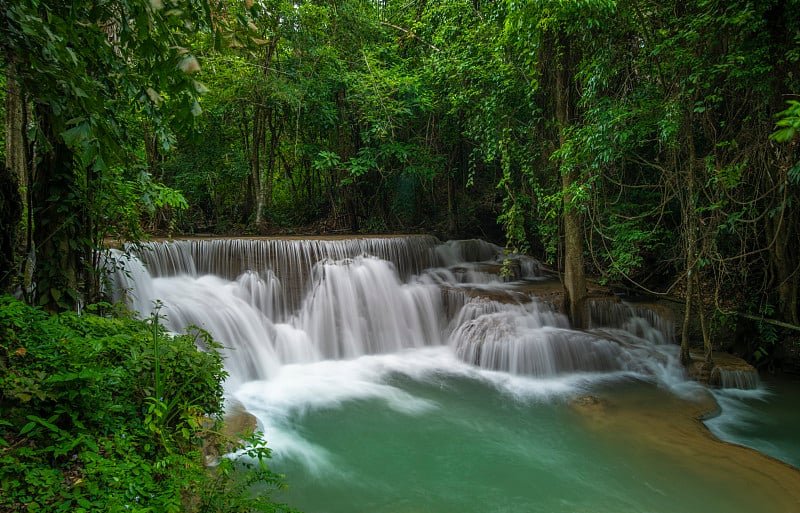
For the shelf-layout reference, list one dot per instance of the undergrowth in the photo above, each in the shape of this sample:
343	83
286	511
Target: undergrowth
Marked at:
109	413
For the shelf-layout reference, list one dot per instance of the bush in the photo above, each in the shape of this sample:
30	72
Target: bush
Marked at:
109	413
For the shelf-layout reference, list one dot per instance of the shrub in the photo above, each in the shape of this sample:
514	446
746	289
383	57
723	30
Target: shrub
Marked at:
105	413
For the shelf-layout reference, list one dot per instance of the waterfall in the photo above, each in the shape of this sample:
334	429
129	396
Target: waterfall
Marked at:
291	261
359	306
352	353
640	320
274	302
742	379
521	345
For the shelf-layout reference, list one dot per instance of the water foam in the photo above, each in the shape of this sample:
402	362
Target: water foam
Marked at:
353	322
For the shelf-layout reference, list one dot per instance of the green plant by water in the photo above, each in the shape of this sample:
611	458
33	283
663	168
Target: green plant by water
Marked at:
109	413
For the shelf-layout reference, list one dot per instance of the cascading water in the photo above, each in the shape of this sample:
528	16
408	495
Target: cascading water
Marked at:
735	378
287	261
340	303
354	353
347	298
528	339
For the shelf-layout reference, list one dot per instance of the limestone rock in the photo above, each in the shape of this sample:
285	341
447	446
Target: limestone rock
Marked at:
726	371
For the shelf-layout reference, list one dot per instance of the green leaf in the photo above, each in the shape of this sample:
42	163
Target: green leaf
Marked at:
784	135
76	134
27	428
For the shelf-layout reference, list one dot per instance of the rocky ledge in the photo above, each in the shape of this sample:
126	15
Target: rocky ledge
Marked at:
238	424
725	371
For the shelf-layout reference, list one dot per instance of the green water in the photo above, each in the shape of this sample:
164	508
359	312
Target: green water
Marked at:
382	416
413	428
468	443
767	420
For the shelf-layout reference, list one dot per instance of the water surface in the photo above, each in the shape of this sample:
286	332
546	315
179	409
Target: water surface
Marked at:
408	375
420	432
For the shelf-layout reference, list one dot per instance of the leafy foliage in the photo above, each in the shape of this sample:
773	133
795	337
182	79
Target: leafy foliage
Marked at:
664	132
91	74
788	123
107	414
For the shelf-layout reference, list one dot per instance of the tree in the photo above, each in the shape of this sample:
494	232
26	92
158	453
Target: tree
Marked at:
89	72
560	37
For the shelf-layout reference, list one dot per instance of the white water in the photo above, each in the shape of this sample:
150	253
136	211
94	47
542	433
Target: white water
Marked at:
359	305
403	330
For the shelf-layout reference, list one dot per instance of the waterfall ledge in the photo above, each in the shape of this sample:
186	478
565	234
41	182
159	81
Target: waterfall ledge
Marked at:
727	371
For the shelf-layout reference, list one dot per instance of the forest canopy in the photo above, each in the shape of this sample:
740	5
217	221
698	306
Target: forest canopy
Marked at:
650	144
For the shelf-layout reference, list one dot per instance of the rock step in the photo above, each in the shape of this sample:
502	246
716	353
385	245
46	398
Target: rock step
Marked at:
725	371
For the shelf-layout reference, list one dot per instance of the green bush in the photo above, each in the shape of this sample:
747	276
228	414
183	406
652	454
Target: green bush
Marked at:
109	414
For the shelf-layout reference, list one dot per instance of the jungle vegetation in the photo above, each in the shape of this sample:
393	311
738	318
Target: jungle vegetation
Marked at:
647	144
650	144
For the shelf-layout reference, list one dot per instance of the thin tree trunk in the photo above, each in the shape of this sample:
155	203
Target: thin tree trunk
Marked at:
574	272
262	174
686	358
701	312
268	178
783	265
256	163
451	204
690	223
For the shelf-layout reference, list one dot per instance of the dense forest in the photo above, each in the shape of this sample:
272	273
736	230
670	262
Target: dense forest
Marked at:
642	145
649	144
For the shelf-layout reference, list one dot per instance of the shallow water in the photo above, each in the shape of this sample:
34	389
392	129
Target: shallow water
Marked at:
383	385
767	419
419	431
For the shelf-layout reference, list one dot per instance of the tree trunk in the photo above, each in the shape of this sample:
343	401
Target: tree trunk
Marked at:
10	212
452	226
691	223
701	313
262	174
57	232
268	176
784	266
256	163
13	179
151	151
574	272
16	128
686	358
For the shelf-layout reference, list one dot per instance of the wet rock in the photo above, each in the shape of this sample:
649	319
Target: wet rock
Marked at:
238	424
589	402
725	371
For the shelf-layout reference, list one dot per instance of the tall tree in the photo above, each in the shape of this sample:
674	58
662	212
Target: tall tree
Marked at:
87	70
13	176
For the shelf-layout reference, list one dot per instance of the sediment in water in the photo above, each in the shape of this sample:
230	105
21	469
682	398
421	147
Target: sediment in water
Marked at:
673	426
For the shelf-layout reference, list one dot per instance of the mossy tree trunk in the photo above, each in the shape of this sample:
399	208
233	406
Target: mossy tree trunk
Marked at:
13	179
58	235
574	271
